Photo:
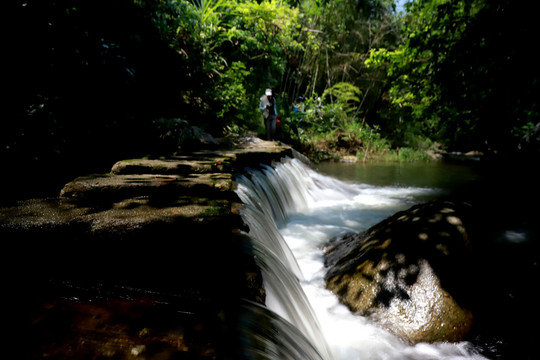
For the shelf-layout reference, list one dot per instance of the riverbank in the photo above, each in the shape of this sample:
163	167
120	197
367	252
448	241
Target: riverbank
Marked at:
148	259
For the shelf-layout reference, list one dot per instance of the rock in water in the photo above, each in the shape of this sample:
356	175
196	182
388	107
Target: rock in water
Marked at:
410	273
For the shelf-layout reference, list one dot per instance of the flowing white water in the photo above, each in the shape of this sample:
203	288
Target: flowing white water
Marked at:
293	212
267	336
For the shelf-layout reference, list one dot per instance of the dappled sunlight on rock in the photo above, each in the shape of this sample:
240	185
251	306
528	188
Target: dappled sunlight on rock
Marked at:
402	272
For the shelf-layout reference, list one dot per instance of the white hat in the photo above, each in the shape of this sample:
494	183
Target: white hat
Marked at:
268	92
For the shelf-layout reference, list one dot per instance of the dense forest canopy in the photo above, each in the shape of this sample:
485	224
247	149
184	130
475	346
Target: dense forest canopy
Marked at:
463	74
96	80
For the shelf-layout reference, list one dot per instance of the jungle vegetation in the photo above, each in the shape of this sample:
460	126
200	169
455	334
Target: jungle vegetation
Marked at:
93	81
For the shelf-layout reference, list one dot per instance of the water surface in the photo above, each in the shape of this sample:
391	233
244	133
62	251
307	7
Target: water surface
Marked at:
308	208
505	198
449	177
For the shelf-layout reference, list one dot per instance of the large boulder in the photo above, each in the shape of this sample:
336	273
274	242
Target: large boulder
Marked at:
410	273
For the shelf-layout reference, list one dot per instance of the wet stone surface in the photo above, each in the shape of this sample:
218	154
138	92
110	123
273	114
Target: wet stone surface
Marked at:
148	261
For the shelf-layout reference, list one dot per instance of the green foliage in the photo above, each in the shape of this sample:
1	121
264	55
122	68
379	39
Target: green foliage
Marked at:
232	51
450	78
329	130
343	33
345	94
235	49
230	91
260	36
405	154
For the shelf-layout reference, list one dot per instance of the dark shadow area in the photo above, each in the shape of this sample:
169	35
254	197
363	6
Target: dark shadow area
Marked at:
74	282
507	254
86	81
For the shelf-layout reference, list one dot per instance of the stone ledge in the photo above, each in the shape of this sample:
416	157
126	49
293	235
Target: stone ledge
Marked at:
168	228
109	188
105	226
177	165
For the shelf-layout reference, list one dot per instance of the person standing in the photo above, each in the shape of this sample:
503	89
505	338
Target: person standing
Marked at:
299	107
268	109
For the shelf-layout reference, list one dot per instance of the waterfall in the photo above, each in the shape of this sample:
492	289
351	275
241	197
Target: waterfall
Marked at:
292	211
266	336
269	196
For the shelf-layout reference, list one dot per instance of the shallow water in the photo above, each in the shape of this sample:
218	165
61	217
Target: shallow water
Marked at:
447	177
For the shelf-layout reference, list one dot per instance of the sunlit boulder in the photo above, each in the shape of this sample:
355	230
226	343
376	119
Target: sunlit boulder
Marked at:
410	273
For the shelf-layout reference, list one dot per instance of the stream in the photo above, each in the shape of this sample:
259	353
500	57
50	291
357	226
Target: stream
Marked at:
312	207
506	249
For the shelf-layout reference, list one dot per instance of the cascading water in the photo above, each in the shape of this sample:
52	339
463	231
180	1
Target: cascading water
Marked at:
292	212
266	335
266	202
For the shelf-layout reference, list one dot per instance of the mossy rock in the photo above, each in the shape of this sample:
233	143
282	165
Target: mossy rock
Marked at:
108	189
177	165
